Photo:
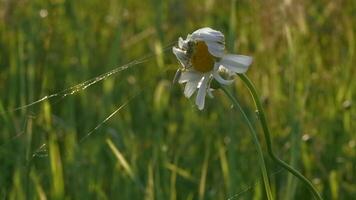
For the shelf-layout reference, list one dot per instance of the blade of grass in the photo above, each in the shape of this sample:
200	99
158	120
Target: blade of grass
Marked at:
262	164
121	159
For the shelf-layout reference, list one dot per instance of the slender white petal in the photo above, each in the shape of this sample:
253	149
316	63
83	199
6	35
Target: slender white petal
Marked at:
236	63
220	79
190	76
180	42
189	37
190	88
200	100
181	56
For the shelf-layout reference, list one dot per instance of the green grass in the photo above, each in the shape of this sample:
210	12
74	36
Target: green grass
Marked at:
160	146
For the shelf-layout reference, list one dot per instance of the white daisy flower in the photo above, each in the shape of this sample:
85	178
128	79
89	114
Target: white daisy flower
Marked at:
202	56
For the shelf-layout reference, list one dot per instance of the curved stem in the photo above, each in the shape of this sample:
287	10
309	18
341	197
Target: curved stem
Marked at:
262	118
257	144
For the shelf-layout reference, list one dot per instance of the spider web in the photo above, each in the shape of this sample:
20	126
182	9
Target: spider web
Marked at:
84	85
81	87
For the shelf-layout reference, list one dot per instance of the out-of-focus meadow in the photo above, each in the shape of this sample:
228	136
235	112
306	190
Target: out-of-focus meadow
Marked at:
159	145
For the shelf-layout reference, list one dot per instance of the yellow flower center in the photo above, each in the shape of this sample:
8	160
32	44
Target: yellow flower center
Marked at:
201	59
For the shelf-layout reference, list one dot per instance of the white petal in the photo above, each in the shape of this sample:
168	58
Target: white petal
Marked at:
178	52
189	37
216	49
183	44
236	63
190	88
188	76
210	37
181	56
200	100
205	29
180	42
208	34
220	79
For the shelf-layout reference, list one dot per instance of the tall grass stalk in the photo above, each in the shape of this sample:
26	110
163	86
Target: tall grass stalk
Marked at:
263	121
256	142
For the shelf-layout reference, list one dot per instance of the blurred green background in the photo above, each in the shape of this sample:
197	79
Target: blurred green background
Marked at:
159	146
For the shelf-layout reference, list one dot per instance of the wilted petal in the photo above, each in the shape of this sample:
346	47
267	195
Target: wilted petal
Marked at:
220	79
188	76
216	49
180	42
190	88
208	34
200	100
181	56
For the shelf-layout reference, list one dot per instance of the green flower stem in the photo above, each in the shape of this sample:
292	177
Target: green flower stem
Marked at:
255	140
262	118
